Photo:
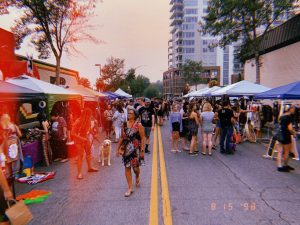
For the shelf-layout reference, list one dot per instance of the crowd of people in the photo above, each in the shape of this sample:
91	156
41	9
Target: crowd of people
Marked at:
197	125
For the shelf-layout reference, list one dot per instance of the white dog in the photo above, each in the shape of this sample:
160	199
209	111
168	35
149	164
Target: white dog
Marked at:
105	150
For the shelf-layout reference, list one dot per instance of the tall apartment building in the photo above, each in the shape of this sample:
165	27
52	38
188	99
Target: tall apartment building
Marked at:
187	43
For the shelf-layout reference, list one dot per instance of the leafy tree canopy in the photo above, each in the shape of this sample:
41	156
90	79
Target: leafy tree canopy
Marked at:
85	82
244	20
152	91
54	26
191	71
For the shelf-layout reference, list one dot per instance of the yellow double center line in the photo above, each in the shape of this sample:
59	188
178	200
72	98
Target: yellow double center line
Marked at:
166	206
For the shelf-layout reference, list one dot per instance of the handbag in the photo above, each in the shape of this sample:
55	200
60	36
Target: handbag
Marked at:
19	213
121	150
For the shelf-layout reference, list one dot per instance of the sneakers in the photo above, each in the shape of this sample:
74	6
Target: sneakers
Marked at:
283	169
289	167
193	153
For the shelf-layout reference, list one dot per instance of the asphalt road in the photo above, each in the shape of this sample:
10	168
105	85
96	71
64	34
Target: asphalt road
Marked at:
239	189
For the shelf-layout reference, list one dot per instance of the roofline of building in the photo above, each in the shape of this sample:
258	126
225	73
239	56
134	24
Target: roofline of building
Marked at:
282	31
51	67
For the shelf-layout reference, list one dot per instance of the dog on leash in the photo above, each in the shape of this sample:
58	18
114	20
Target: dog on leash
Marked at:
105	150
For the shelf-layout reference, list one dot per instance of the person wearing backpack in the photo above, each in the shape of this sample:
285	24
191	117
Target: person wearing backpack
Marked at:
226	120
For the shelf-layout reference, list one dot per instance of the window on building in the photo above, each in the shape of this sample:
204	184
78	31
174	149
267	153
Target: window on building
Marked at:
191	11
188	26
204	49
188	42
189	50
191	19
204	42
188	34
211	49
191	2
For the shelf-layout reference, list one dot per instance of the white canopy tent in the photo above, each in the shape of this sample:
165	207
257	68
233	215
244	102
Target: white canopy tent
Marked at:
242	88
123	93
206	92
192	94
87	94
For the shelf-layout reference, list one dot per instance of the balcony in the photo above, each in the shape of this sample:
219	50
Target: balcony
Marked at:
175	28
175	5
176	21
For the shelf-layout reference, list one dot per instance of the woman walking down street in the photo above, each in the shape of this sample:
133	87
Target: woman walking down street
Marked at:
206	120
131	145
285	139
193	128
176	127
118	119
185	123
108	114
81	131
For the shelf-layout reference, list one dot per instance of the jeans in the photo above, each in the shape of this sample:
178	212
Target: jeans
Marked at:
226	135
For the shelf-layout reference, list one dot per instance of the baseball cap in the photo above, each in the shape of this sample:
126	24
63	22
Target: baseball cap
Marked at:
147	100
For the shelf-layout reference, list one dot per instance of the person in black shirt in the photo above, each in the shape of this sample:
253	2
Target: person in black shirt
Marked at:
146	113
226	119
285	139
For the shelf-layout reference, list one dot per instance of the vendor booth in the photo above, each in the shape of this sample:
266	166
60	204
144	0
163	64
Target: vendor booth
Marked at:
285	92
53	93
239	89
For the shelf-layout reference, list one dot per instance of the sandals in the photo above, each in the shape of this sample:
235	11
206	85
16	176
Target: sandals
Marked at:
128	193
79	177
91	170
203	153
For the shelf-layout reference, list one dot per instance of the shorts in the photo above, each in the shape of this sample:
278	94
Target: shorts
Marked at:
175	126
147	131
218	125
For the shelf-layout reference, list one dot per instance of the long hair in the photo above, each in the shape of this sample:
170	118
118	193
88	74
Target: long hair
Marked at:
84	122
191	106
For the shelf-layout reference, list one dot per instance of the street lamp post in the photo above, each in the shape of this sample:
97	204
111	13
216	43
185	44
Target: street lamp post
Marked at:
98	64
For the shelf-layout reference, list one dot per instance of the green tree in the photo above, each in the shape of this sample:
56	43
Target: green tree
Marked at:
152	91
54	26
191	71
234	20
112	74
139	85
84	82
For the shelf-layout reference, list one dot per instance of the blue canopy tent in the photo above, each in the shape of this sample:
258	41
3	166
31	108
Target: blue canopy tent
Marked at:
289	91
112	95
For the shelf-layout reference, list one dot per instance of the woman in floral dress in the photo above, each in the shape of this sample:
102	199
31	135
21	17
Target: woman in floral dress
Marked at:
131	145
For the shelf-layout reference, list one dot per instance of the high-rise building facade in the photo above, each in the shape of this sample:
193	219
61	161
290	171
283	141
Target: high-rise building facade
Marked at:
187	43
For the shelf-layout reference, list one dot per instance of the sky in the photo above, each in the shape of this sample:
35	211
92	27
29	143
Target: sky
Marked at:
135	30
